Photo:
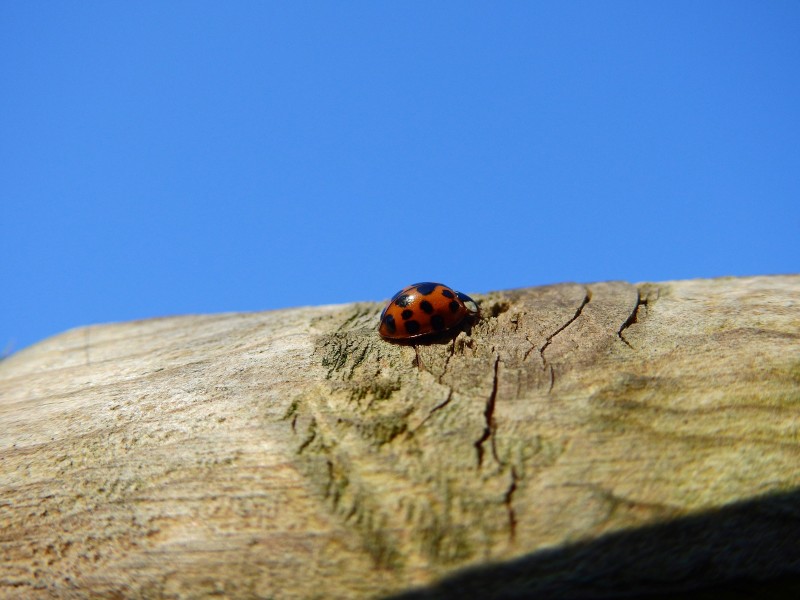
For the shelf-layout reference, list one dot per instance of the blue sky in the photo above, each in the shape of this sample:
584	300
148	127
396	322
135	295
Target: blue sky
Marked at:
162	158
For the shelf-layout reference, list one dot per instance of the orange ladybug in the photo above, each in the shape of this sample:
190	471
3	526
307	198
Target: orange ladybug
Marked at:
425	308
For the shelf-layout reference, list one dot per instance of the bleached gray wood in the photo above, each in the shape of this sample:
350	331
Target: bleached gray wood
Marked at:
294	454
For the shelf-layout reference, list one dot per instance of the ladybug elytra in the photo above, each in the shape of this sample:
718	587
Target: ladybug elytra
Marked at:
425	308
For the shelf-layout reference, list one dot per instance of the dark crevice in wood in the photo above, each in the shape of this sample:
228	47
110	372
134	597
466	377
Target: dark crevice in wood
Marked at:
632	318
488	415
508	501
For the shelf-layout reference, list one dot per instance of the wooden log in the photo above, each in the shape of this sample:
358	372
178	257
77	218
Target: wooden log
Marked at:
578	441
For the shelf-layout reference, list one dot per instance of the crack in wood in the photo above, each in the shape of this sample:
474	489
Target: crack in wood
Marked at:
312	435
586	299
488	414
447	360
436	408
443	404
633	317
508	501
548	340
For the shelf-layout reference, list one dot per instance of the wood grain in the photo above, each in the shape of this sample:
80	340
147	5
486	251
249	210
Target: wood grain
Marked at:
573	431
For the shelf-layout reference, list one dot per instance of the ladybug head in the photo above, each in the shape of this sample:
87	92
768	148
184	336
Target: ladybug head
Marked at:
469	304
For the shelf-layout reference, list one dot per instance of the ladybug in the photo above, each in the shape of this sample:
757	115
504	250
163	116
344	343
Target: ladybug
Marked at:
425	308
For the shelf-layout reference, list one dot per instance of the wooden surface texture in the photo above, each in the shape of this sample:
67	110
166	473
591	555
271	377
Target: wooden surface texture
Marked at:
580	441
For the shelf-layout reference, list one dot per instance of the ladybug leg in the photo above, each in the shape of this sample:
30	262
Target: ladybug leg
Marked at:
468	323
418	360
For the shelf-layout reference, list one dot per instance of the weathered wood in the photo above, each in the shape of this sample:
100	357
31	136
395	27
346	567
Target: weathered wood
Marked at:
580	440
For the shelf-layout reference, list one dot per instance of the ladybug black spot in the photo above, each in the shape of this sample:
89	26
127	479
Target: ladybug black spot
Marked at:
454	306
426	307
448	294
412	327
404	300
407	314
437	322
390	324
426	288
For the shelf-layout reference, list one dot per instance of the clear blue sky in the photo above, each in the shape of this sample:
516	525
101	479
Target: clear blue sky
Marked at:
161	158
